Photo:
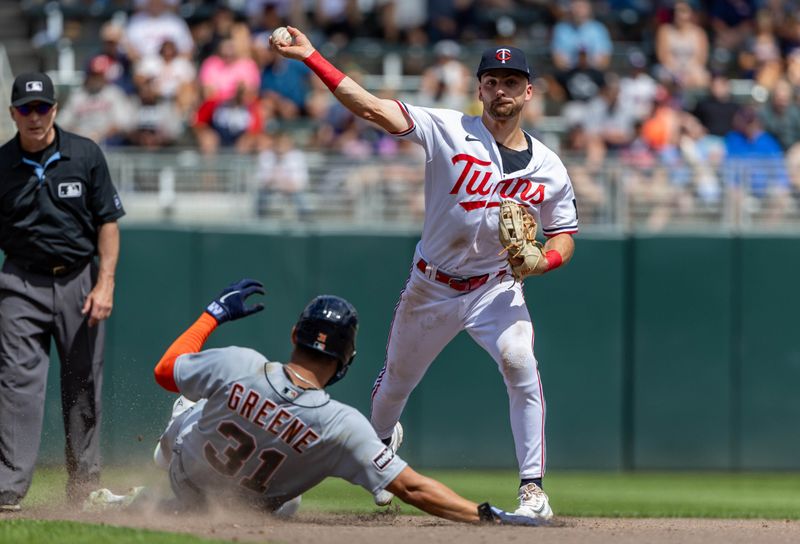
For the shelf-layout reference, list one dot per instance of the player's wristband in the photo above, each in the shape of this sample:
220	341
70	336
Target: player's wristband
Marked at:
326	71
554	259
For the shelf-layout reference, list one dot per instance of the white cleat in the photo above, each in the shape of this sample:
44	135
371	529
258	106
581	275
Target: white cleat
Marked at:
383	497
104	499
289	508
533	502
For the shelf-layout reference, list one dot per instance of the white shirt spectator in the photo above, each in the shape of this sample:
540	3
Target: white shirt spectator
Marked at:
97	115
169	76
407	14
283	172
147	32
639	92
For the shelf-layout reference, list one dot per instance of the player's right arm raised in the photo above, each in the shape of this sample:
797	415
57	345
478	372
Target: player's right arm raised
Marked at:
387	114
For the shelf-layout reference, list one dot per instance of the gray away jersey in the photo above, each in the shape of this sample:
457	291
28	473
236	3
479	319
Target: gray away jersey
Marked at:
262	437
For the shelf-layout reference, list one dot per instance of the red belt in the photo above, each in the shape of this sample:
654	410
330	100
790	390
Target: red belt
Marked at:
459	283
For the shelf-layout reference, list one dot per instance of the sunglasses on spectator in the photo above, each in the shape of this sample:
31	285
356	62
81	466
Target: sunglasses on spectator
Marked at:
42	108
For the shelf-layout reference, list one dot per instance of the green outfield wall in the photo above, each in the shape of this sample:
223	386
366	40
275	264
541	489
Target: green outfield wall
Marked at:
655	352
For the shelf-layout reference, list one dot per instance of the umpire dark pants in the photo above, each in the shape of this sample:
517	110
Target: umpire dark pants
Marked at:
34	309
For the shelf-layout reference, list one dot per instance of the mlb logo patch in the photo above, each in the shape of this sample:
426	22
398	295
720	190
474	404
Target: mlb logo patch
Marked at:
34	86
322	338
70	190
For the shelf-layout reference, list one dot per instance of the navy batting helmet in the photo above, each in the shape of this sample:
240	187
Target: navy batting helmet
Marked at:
328	324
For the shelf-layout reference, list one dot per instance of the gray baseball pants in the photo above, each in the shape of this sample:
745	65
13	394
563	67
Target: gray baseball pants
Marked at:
34	309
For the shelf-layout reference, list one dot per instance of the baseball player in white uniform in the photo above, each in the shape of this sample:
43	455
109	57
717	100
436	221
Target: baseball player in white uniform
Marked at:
249	430
459	277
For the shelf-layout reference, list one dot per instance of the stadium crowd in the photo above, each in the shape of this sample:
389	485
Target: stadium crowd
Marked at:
642	84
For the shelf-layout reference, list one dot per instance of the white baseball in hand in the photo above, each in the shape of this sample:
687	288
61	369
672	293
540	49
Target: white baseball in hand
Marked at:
281	36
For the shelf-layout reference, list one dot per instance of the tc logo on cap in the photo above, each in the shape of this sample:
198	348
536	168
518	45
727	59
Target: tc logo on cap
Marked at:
34	86
503	55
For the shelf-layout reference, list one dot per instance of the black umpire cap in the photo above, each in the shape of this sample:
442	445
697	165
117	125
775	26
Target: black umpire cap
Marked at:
32	87
504	56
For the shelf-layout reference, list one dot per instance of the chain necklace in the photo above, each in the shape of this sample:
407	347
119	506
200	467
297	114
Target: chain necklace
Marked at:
299	377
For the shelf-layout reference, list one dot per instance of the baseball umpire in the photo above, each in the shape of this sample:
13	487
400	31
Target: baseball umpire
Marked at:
258	432
59	209
488	183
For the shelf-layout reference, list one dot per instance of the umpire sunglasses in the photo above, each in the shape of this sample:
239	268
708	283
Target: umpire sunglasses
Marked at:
42	108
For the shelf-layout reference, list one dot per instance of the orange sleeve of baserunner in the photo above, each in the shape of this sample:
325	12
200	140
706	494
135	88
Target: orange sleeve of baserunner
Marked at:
190	341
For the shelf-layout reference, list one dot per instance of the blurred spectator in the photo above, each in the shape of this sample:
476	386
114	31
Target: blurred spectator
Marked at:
172	76
223	73
789	29
451	19
578	86
632	20
342	132
717	110
98	110
704	154
403	174
282	176
285	84
755	165
447	83
792	71
236	122
682	48
638	89
152	24
403	21
608	123
339	20
156	122
760	58
661	130
580	31
120	73
209	33
780	116
267	15
731	22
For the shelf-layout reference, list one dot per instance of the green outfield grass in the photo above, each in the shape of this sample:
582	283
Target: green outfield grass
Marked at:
605	494
20	531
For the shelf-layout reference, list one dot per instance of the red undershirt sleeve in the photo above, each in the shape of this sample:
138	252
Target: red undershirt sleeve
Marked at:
191	341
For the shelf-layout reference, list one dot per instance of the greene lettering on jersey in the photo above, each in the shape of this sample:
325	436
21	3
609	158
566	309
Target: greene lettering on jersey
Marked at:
464	184
260	435
248	404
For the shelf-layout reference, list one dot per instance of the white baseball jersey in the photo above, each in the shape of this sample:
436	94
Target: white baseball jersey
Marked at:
464	184
259	436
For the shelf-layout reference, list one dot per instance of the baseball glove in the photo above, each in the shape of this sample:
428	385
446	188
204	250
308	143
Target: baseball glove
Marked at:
518	238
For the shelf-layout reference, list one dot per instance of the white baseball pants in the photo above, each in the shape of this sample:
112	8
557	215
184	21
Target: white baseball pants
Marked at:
429	315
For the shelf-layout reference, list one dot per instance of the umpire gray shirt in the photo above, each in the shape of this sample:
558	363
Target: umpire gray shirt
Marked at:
268	439
51	208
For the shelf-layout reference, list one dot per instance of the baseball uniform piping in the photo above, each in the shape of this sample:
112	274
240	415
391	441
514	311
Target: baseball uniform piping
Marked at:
561	230
379	379
407	115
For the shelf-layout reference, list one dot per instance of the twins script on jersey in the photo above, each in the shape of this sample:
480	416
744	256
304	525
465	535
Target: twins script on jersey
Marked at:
464	184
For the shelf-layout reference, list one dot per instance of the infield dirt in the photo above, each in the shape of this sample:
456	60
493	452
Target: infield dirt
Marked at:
388	528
